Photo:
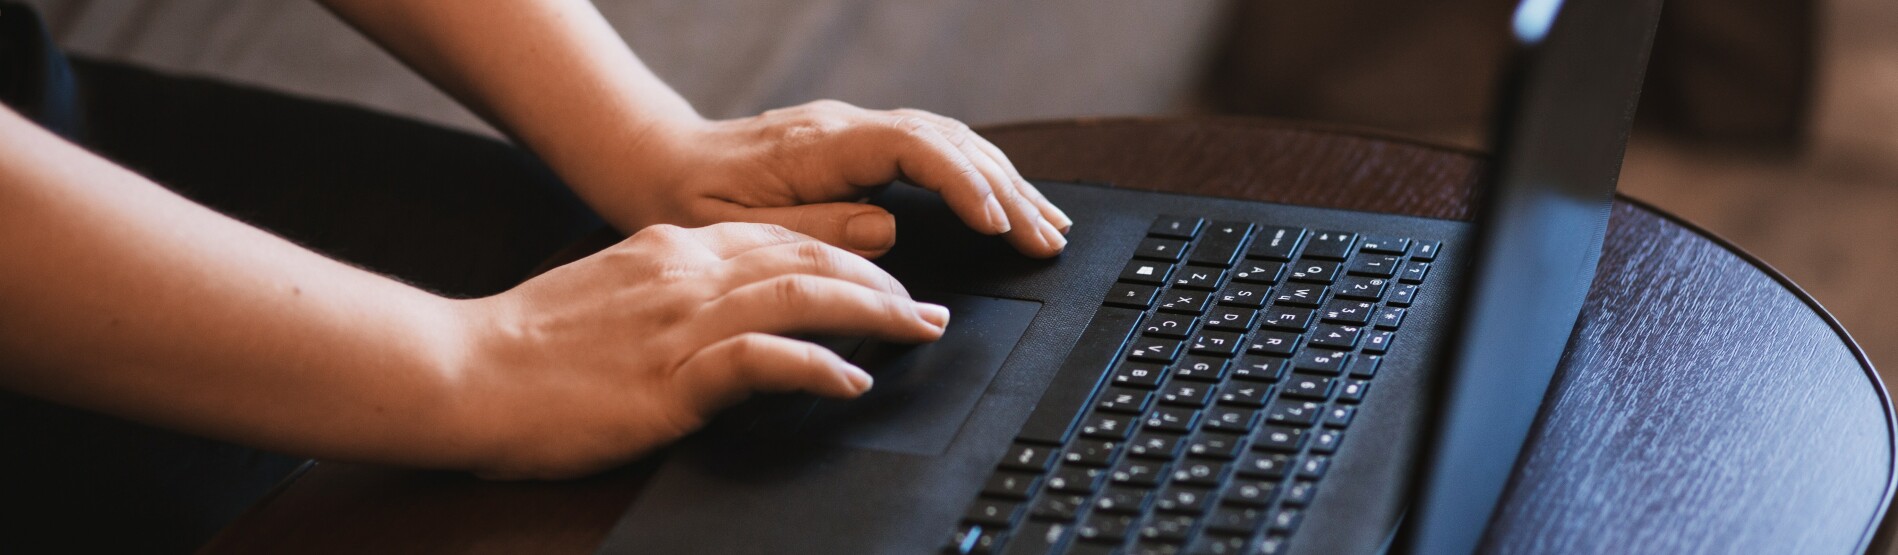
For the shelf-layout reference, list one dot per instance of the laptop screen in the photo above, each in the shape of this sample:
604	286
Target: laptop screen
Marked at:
1568	101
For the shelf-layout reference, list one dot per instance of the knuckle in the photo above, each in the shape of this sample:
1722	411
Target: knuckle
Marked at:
815	257
793	291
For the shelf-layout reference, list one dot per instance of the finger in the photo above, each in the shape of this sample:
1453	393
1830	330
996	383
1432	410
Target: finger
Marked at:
727	371
1049	211
863	229
730	239
802	303
1031	233
928	159
810	258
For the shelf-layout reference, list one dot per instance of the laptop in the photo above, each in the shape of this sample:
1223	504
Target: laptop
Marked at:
1195	374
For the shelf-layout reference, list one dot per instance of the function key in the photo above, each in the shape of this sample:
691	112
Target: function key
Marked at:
1176	227
1386	245
1219	244
1335	245
1276	243
1150	273
1378	341
1353	391
1426	250
1388	318
1166	250
1414	272
1403	295
1131	295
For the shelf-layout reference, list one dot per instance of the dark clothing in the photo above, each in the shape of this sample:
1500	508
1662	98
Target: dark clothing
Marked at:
451	212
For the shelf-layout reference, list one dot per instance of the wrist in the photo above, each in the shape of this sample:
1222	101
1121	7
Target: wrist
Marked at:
619	169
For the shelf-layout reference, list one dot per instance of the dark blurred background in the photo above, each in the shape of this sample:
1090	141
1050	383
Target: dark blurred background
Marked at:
1773	123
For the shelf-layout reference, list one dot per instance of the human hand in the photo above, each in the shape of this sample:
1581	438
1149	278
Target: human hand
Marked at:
599	361
802	168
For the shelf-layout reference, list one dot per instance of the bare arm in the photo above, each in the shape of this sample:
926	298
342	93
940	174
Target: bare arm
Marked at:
553	74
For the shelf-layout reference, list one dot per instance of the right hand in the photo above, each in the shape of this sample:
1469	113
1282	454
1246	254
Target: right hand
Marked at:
599	361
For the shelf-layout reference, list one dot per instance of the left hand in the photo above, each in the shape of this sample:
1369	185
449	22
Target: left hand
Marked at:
807	167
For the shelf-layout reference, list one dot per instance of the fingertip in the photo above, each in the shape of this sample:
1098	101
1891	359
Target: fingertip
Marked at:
934	314
860	381
998	218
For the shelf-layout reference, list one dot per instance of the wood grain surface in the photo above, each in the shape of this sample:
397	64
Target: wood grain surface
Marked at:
1706	406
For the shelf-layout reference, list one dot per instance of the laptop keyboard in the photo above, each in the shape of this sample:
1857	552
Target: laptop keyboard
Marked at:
1201	407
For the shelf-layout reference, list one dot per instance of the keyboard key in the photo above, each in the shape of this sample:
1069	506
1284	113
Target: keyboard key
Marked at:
1182	499
1300	492
1299	294
1172	326
1063	507
1199	472
1216	543
1258	271
1150	273
1279	438
1033	458
1426	251
1175	227
993	512
1138	374
1375	265
1076	479
1402	295
1244	394
1219	243
1107	426
1200	277
1186	301
1385	245
1321	362
1144	474
1343	311
1215	445
1259	368
1273	343
1302	386
1284	520
1362	288
1231	419
1186	393
975	539
1326	441
1164	250
1314	467
1010	485
1237	520
1155	445
1037	538
1286	318
1217	343
1334	245
1414	272
1379	341
1245	295
1121	399
1276	243
1202	368
1289	412
1255	493
1172	419
1168	528
1314	271
1131	295
1105	528
1339	416
1388	318
1232	318
1090	452
1261	464
1154	349
1365	367
1353	391
1122	500
1333	336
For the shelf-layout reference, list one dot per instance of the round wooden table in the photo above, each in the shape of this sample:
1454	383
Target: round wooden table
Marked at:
1705	404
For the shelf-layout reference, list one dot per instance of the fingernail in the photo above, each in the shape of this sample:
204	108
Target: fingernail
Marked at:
1056	242
859	379
871	231
998	219
1062	221
937	315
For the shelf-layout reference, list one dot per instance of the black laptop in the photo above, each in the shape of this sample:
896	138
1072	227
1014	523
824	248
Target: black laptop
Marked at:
1199	375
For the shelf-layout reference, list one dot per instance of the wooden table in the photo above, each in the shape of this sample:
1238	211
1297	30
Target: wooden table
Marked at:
1707	404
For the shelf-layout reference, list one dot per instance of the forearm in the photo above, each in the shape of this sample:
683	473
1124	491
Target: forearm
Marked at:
551	73
121	297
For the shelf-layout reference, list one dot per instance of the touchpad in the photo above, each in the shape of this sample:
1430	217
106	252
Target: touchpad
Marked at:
923	393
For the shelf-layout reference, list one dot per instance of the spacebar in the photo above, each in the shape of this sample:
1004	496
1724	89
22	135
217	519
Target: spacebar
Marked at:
1079	376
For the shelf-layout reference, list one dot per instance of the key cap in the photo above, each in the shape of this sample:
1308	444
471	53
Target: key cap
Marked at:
1023	456
1122	500
1362	288
1122	399
1253	493
1258	271
1154	349
1219	243
1164	250
1326	363
1155	445
1259	368
1275	243
1230	419
1303	386
1216	543
1313	467
1285	520
1365	367
1286	318
1172	326
1343	311
992	512
1080	375
1339	416
1185	301
1261	464
1131	295
1062	507
975	539
1334	245
1175	227
1271	545
1037	538
1217	343
1300	492
1172	419
1279	438
1150	273
1107	426
1152	547
1300	294
1201	368
1076	479
1245	295
1379	341
1333	336
1426	251
1182	499
1414	272
1186	393
1375	265
1388	318
1199	472
1138	374
1402	295
1386	245
1353	391
1010	485
1090	452
1294	413
1314	271
1273	343
1168	528
1200	277
1103	528
1236	520
1244	394
1231	318
1215	445
1326	441
1137	473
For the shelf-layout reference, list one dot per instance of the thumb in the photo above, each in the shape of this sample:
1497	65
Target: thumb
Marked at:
860	228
